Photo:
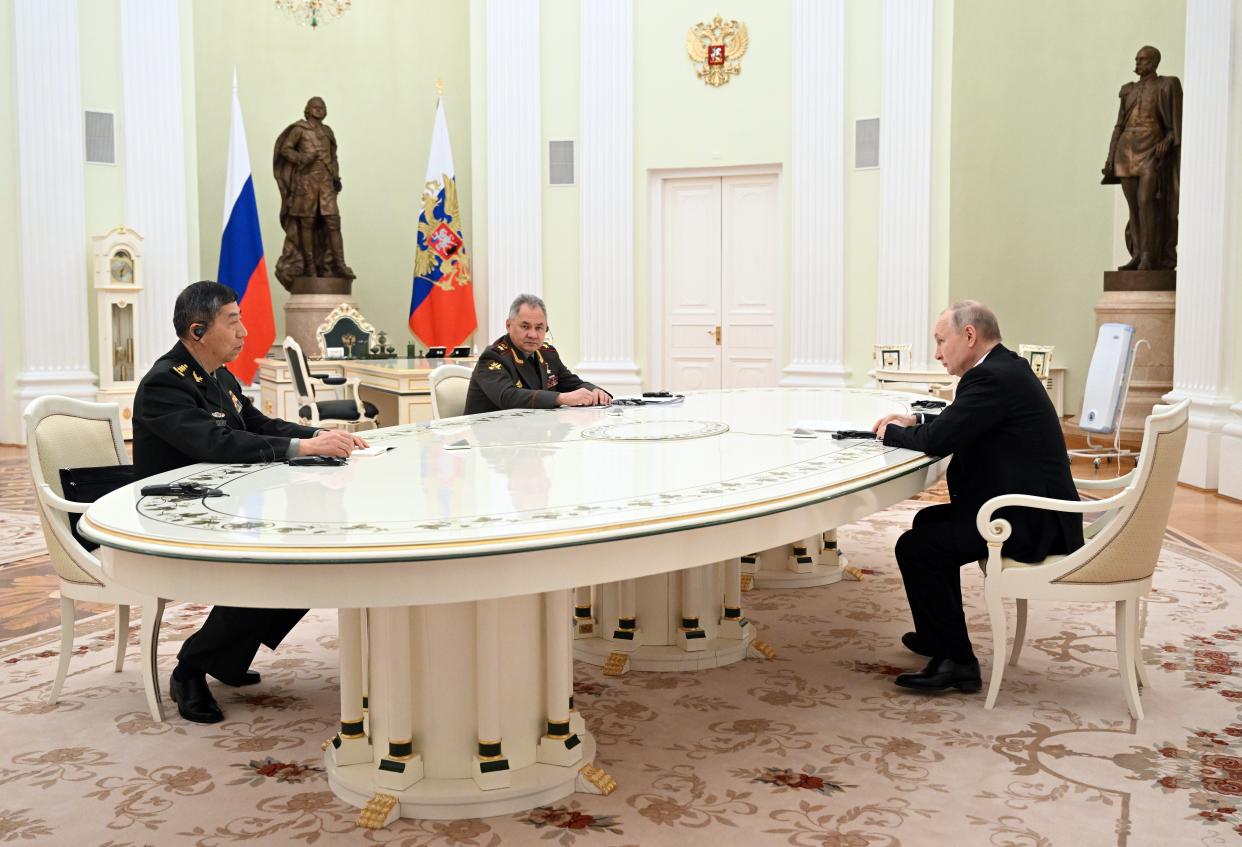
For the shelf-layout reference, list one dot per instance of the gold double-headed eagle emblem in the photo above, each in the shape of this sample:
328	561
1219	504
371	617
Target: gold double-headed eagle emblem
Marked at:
717	48
439	238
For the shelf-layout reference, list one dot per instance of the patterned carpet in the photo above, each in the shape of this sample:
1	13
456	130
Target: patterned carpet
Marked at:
814	747
29	595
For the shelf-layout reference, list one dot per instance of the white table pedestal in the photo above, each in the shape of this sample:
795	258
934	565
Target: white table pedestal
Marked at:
813	561
430	740
680	620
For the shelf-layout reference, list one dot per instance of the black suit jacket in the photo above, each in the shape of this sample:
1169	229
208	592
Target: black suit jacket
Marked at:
1005	438
184	415
504	379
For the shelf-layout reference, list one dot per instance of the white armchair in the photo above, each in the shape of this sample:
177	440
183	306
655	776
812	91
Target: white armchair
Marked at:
449	384
67	433
1114	565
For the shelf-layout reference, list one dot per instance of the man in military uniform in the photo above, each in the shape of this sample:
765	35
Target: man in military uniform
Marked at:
190	409
309	179
521	370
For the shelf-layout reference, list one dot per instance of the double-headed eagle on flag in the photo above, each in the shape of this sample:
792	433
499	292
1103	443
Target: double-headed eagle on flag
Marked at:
441	257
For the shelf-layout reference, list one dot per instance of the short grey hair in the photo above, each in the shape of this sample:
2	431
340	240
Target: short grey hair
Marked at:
973	313
527	300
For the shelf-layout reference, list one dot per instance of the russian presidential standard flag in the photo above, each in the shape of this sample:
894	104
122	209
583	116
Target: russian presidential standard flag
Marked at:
442	302
242	267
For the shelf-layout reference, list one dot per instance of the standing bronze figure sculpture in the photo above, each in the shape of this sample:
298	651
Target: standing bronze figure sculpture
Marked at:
1144	157
309	178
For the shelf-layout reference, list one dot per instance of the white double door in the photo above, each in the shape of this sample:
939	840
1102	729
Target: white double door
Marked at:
721	246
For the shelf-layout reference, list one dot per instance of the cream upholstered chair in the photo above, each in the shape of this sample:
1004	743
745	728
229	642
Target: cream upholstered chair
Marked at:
66	433
1116	563
350	413
449	384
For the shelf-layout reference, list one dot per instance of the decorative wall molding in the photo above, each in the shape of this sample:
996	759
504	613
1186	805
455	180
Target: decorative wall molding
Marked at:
902	313
1209	186
155	173
606	196
514	162
817	180
51	204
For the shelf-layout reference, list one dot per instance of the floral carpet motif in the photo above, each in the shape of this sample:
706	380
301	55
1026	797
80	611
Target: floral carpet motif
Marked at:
20	536
814	747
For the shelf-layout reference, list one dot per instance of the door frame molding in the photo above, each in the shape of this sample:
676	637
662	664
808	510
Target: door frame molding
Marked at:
656	178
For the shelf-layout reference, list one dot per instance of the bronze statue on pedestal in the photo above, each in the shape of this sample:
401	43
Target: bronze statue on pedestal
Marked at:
1144	157
309	179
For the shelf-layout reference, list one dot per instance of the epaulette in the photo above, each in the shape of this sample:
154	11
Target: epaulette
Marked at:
502	346
180	370
547	346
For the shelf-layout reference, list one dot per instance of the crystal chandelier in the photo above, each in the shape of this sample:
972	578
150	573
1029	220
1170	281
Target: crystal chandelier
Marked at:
313	13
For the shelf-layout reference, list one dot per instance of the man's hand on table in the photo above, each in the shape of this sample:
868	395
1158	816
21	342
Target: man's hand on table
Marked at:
584	397
330	442
900	420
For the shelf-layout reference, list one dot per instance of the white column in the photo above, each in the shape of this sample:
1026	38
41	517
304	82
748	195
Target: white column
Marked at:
514	164
155	190
902	315
817	165
1206	254
51	202
606	196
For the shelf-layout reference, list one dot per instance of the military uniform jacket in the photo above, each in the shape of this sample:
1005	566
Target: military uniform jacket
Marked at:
504	378
184	415
1005	438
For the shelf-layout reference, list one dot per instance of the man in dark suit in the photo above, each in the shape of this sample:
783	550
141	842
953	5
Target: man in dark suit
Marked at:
520	370
190	409
1005	438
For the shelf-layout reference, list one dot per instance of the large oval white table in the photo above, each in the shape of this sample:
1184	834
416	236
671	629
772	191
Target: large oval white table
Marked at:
452	559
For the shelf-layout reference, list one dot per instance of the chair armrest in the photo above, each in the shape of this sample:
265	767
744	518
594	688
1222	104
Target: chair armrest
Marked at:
998	531
328	379
1113	482
51	498
351	386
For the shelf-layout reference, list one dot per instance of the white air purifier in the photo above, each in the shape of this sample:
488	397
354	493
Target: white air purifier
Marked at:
1106	379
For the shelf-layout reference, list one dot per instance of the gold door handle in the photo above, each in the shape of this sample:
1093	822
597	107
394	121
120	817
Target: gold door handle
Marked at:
718	336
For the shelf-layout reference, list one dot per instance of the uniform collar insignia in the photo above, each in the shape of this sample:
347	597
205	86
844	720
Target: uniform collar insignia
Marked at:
180	370
197	378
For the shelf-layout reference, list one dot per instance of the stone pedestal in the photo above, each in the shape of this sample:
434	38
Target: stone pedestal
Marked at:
1145	300
313	298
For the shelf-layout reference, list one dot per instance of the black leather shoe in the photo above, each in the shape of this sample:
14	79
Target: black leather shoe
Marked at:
943	674
911	642
247	678
194	700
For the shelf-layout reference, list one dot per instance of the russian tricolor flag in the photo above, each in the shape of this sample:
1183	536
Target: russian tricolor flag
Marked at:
242	267
442	299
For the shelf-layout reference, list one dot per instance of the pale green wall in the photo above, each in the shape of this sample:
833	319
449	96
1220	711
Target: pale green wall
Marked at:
1034	102
862	187
680	122
376	68
100	36
11	315
560	102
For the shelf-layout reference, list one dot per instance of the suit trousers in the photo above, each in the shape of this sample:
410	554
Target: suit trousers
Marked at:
931	554
228	640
